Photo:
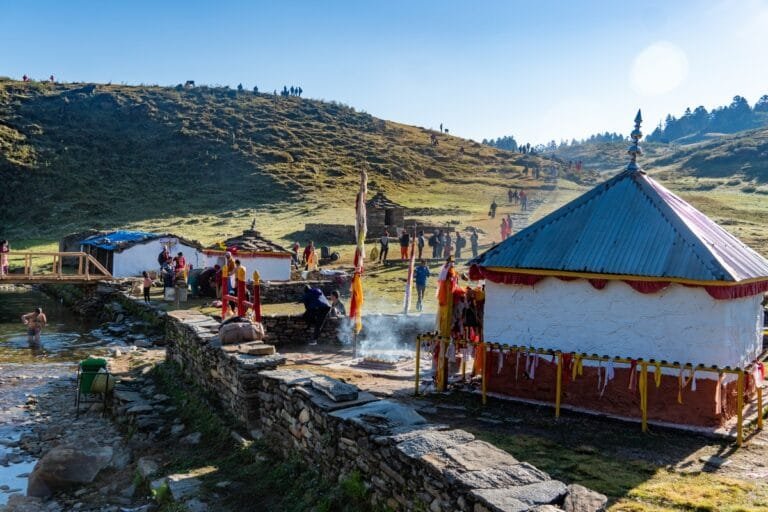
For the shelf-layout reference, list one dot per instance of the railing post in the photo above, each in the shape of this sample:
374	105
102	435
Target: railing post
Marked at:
558	383
418	364
224	290
740	408
485	372
760	407
644	394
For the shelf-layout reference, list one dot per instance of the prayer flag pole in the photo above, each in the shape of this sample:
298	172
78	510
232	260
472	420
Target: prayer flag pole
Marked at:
409	281
361	228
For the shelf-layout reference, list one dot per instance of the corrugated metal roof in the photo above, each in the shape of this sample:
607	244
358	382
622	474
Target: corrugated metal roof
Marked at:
121	240
630	225
118	239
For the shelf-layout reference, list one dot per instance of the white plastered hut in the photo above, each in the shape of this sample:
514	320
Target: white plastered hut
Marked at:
129	253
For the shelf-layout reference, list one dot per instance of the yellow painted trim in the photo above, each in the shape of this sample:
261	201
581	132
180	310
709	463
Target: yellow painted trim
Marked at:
621	277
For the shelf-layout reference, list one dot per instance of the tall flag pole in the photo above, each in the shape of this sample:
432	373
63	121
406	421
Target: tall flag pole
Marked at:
409	281
361	229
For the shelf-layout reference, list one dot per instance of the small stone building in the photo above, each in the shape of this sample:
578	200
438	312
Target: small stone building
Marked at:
383	213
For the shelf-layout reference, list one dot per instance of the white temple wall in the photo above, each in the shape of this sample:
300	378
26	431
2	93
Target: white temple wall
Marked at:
683	324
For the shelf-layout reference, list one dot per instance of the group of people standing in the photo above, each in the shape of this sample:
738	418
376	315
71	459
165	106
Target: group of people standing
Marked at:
442	243
518	197
506	227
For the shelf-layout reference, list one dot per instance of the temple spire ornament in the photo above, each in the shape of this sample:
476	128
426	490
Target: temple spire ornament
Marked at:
634	150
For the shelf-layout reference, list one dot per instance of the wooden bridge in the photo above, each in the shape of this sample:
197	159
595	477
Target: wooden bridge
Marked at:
48	267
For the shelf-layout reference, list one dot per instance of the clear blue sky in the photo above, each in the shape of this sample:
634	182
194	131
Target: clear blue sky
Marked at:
538	70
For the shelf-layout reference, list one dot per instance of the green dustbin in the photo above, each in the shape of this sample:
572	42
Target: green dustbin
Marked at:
89	368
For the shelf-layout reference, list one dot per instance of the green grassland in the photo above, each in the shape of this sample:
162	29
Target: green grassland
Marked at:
205	162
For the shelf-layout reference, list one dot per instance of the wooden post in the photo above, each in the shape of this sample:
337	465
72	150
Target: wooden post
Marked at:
418	364
224	290
441	369
464	362
644	394
740	408
760	407
558	383
485	372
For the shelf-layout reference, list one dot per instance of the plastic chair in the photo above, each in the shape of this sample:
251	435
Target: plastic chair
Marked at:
93	379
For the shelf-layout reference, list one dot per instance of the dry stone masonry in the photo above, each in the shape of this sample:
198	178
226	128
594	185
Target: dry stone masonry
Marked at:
409	463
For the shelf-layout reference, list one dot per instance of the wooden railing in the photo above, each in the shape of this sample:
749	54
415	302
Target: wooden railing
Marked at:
26	267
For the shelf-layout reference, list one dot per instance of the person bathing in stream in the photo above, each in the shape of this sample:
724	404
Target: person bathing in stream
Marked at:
35	321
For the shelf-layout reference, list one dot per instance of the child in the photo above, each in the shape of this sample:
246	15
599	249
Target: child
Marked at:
146	286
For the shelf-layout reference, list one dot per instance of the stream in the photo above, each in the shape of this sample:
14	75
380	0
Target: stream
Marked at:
25	371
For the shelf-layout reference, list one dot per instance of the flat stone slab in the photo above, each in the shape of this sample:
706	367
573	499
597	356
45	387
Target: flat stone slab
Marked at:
503	500
326	404
381	414
128	396
183	486
257	362
518	474
479	455
424	442
335	389
255	348
289	377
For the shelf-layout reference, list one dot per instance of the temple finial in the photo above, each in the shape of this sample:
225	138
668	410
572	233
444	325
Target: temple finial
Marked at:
634	149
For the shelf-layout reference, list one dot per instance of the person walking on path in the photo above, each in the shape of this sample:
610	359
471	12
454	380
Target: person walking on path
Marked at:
384	247
420	243
437	244
309	256
523	201
448	248
461	242
146	285
405	241
509	225
492	210
473	238
420	277
503	228
35	321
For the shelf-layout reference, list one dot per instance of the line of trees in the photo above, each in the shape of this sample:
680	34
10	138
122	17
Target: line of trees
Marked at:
735	117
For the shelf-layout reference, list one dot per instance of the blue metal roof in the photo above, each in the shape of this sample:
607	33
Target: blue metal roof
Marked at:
629	225
119	239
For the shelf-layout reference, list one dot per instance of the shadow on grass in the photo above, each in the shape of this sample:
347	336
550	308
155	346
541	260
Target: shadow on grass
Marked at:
661	470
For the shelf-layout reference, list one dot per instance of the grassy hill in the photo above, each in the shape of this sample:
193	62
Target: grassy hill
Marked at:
204	162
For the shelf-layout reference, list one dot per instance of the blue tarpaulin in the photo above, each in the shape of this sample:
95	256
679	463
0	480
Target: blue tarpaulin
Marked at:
118	239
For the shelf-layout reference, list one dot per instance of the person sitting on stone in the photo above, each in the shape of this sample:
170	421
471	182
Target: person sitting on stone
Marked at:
337	307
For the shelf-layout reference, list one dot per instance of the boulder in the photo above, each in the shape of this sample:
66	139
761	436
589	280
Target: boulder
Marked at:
581	499
19	503
147	467
65	466
239	332
183	486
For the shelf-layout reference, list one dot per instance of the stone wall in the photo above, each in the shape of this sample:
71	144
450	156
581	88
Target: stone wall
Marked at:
281	292
334	233
293	329
408	463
